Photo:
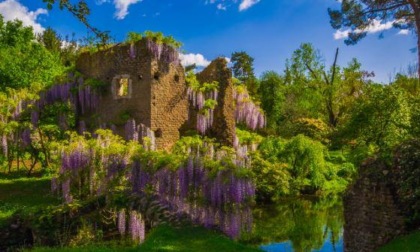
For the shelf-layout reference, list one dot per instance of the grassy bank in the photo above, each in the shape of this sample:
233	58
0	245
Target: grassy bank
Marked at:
21	193
408	243
166	238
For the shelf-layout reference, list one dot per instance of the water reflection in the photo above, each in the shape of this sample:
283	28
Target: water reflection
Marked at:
299	224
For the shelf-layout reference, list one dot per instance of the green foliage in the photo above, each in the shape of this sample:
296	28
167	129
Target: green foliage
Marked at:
247	137
307	163
25	62
272	179
317	92
194	84
208	104
310	127
156	37
272	96
381	118
133	37
409	84
300	165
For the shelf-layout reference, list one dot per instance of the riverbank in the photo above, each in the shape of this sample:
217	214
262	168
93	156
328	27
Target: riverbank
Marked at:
26	194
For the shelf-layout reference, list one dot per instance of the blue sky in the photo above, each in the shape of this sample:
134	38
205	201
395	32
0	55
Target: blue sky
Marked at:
269	30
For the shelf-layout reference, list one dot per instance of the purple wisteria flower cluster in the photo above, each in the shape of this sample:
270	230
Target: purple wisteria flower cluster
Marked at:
164	53
212	198
83	98
139	132
247	111
205	117
135	226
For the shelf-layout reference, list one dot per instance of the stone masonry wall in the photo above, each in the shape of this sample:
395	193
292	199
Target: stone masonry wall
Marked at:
372	216
223	127
169	109
157	97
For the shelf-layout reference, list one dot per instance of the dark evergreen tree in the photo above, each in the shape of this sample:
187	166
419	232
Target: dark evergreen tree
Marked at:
357	15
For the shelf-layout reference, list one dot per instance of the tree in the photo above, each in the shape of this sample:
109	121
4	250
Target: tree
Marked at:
321	93
358	15
271	93
51	40
81	11
243	69
380	118
24	62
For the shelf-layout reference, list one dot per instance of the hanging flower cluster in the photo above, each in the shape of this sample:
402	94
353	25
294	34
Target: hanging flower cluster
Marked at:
246	110
163	52
205	185
140	132
213	198
88	167
203	97
245	142
83	98
132	51
136	226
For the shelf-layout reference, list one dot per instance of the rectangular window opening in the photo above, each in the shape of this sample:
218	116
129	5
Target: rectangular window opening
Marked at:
122	87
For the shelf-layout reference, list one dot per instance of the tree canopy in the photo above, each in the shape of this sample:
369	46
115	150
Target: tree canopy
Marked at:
358	15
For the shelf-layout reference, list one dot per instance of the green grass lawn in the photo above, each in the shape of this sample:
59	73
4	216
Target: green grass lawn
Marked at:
408	243
190	239
20	193
166	238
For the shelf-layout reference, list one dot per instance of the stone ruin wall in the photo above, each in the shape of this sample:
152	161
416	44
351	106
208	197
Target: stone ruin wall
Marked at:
157	97
223	128
371	213
169	104
158	94
104	66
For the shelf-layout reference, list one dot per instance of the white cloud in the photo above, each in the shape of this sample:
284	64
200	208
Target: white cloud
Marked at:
225	4
12	9
191	58
404	32
246	4
374	27
122	7
341	34
221	7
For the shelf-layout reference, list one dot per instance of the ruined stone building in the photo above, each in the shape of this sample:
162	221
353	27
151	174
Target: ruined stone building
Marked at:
145	82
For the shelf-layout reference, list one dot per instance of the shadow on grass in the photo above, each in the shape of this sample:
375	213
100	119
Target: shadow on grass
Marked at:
21	193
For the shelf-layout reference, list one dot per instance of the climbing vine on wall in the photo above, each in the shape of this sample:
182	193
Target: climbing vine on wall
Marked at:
204	98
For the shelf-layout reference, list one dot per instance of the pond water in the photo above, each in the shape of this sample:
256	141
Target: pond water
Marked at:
299	225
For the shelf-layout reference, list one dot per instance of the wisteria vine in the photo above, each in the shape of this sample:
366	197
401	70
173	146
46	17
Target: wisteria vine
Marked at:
203	97
205	185
247	111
